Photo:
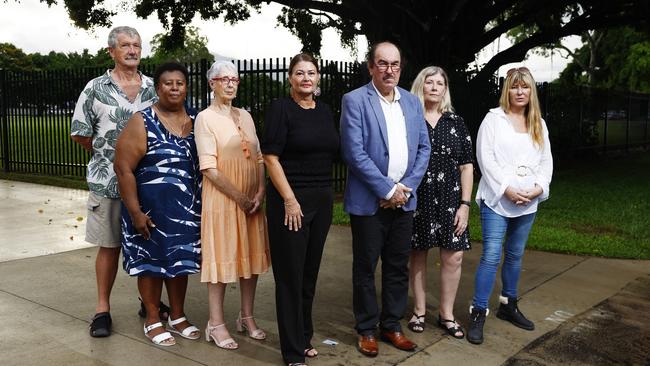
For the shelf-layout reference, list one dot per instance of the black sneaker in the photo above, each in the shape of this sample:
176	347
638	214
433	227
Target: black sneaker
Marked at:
509	311
101	325
477	319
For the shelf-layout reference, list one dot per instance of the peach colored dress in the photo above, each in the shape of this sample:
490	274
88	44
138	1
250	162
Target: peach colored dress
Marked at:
233	244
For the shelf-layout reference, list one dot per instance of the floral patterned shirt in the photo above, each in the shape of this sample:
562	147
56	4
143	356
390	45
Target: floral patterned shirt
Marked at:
101	113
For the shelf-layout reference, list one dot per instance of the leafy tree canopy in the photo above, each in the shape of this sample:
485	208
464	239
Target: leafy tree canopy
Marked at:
194	48
619	60
444	32
14	59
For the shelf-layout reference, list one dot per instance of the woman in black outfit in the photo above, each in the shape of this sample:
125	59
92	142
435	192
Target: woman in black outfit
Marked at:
300	142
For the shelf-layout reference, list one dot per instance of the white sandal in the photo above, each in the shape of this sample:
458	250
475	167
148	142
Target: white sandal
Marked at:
225	344
185	333
160	338
257	334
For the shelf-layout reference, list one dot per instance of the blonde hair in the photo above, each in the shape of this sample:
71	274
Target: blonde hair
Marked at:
418	87
533	113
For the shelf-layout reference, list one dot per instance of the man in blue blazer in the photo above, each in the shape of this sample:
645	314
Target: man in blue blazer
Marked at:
385	143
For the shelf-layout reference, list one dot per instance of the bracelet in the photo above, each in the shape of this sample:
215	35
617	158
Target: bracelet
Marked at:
466	203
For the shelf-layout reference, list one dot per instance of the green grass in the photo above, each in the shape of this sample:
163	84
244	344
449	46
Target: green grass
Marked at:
43	140
598	208
65	182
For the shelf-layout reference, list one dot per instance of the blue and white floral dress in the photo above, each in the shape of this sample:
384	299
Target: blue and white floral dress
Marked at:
168	181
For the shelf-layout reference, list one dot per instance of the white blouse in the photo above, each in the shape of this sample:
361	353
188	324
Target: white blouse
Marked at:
509	158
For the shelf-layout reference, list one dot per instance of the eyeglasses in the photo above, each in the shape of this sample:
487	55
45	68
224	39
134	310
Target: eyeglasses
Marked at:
226	80
382	67
518	69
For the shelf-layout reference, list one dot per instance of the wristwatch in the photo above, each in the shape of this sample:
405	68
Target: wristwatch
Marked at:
467	203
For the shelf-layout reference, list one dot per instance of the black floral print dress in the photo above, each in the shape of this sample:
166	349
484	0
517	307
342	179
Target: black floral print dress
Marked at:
439	193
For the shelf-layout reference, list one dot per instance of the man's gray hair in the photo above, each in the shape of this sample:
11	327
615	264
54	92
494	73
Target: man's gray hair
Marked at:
219	66
112	36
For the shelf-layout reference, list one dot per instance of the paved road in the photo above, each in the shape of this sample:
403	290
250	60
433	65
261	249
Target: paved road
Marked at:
47	295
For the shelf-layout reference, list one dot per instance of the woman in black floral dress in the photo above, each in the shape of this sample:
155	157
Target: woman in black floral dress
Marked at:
443	201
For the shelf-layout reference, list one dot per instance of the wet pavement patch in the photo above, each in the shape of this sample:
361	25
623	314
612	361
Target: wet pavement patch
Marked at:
614	332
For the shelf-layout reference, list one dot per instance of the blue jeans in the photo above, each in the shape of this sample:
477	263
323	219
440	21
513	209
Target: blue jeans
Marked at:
495	227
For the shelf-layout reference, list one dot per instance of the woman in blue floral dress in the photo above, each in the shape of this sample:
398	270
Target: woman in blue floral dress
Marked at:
160	185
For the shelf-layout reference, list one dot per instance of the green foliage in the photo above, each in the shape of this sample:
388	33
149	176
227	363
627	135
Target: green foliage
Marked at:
14	59
301	24
175	15
87	14
193	49
622	61
636	69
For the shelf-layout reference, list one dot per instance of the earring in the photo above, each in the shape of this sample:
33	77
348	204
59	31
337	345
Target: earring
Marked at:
316	91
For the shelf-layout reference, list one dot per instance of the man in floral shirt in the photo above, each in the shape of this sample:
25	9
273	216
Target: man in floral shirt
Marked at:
102	111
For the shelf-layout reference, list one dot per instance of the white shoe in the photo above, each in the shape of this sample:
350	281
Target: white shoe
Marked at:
164	339
185	333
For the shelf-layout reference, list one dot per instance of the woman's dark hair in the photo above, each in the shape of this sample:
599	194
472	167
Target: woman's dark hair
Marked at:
302	57
169	66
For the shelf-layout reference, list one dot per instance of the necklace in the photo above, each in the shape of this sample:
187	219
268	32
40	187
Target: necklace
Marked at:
169	123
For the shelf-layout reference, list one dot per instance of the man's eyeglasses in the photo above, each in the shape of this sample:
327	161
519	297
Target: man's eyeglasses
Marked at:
518	69
382	67
226	80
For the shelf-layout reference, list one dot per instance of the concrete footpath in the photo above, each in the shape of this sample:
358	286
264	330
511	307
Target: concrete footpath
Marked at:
47	296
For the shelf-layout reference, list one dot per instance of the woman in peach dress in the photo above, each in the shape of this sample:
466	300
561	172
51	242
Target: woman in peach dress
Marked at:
234	237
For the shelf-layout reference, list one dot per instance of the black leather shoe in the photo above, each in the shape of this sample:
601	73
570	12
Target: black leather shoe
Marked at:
509	311
101	325
477	318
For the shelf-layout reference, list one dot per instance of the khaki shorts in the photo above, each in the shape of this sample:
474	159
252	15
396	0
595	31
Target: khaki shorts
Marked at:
103	227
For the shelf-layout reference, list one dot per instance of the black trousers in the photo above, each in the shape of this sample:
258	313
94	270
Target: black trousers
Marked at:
296	257
385	235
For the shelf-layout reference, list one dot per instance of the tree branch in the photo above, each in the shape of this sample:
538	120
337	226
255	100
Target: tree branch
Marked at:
338	9
323	14
576	26
424	24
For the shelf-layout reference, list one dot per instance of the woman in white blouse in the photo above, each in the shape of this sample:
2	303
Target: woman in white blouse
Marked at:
514	154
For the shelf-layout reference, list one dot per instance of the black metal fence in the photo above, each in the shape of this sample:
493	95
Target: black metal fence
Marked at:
36	109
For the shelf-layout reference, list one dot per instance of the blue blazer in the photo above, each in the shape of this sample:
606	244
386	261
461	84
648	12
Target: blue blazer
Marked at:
364	148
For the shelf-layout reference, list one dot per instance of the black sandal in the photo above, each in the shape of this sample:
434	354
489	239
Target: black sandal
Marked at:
451	330
416	325
163	311
101	324
311	352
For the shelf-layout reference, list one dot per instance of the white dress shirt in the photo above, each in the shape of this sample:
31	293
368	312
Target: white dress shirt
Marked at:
397	140
509	158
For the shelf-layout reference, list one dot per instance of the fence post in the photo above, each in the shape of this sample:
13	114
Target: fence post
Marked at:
647	117
4	121
627	122
605	123
205	90
580	114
